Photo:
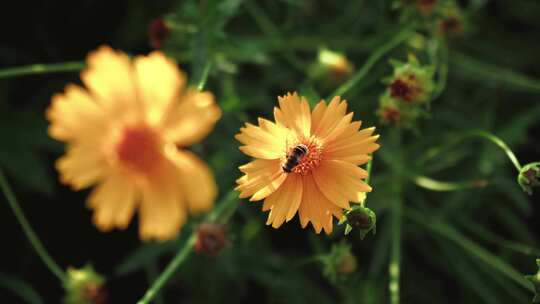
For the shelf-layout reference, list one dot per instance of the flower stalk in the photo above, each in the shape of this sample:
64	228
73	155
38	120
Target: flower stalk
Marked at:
29	231
49	68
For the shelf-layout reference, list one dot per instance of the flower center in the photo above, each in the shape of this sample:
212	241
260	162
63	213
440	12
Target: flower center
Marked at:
139	148
311	159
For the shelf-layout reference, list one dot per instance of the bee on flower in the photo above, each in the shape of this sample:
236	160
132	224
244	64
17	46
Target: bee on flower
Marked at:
124	132
306	162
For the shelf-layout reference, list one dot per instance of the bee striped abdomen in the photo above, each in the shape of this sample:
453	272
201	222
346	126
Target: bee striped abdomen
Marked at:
294	158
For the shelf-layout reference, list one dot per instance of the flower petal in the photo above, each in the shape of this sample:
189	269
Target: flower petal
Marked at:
284	202
192	119
114	203
160	84
296	114
109	77
270	140
316	208
262	178
330	118
74	115
196	179
81	166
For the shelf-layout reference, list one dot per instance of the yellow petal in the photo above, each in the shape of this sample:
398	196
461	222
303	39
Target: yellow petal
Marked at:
109	77
262	178
272	143
296	114
284	202
193	118
196	179
81	166
331	117
74	115
315	207
114	203
354	147
160	83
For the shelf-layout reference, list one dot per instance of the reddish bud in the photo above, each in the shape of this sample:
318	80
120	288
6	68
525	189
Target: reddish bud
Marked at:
96	294
158	33
211	238
426	6
404	90
450	26
390	115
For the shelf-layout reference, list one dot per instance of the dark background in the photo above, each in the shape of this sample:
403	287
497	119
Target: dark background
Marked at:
504	33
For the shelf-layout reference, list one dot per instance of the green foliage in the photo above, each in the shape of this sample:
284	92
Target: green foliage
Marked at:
448	209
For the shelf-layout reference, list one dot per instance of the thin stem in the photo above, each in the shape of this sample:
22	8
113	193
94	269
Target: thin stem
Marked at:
224	211
169	271
368	169
30	234
435	185
431	153
370	62
442	71
33	69
152	274
395	254
204	76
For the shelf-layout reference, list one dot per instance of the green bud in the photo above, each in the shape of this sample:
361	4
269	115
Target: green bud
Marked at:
529	177
331	67
535	281
411	81
361	218
339	262
84	286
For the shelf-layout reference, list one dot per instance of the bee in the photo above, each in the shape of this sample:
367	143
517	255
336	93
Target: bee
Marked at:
294	157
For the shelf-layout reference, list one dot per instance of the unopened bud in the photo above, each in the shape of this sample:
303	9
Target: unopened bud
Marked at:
158	33
535	281
84	286
450	22
411	81
529	177
211	238
363	219
339	262
426	6
331	67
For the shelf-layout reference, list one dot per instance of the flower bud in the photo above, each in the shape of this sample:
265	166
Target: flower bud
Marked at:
211	238
84	286
535	281
362	218
339	262
529	177
450	20
411	82
158	32
331	67
426	6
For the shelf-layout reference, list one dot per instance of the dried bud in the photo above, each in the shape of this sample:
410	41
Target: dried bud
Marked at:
535	281
529	177
339	262
211	238
426	6
411	82
158	33
84	286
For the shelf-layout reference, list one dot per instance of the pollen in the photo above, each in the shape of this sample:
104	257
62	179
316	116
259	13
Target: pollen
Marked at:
138	148
312	159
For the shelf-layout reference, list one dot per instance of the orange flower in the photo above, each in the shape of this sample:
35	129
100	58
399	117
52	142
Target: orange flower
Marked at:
322	150
123	132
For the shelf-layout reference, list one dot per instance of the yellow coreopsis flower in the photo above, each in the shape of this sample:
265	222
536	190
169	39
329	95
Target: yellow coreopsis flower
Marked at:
307	161
124	133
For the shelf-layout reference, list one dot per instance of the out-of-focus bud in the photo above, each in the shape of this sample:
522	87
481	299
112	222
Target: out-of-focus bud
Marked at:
397	113
426	6
211	238
418	42
84	286
450	21
339	262
411	82
529	177
158	33
535	281
331	67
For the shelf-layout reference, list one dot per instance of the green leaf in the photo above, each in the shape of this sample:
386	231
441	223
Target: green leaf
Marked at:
21	289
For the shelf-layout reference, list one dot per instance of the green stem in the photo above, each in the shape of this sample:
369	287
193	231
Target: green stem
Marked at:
368	169
370	62
482	254
271	30
431	153
169	271
30	234
42	69
395	254
204	76
435	185
443	71
152	274
222	212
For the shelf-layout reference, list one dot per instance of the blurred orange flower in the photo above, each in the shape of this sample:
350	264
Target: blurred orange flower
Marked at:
306	162
123	133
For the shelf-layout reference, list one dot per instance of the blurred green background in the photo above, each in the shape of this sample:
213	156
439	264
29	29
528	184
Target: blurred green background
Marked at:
466	246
